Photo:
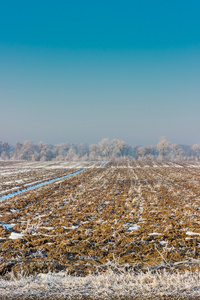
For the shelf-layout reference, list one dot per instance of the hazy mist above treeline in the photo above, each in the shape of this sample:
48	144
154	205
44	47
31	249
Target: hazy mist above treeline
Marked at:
105	150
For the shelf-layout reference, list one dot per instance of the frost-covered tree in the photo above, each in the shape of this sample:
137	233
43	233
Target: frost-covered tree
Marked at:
106	149
119	149
176	152
140	153
5	151
1	147
60	151
18	148
94	152
71	155
163	148
83	152
26	151
196	151
45	151
146	153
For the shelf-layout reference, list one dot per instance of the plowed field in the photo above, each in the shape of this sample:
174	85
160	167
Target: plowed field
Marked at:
139	214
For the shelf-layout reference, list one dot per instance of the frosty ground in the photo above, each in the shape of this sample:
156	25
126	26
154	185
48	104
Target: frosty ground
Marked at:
121	229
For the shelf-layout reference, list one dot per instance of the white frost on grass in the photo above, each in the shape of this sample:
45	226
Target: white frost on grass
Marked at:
108	285
15	172
15	236
31	183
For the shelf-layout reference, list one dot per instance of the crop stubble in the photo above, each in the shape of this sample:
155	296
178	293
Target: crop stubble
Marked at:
139	214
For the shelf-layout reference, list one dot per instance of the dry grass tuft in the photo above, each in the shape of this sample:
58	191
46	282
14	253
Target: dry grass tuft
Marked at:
118	284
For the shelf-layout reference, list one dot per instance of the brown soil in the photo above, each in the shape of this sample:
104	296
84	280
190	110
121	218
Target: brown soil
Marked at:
140	214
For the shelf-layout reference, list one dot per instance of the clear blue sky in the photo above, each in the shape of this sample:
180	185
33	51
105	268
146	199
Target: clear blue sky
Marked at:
80	71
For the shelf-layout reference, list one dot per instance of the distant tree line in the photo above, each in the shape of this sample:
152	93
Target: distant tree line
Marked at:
105	150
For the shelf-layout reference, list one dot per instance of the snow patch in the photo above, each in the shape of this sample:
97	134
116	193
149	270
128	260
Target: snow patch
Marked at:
155	233
163	242
8	226
134	227
192	233
15	236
